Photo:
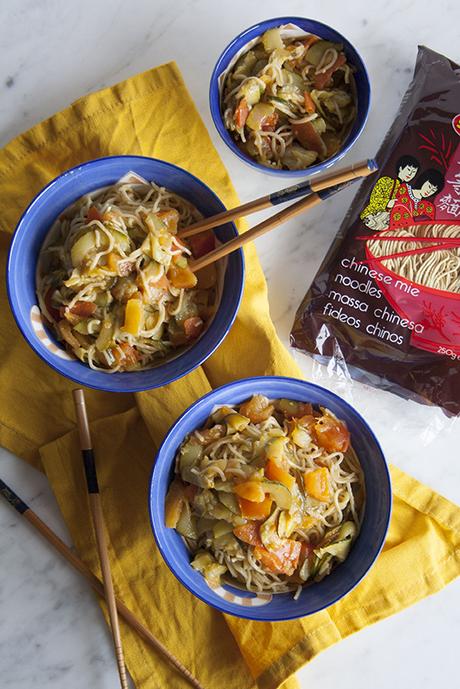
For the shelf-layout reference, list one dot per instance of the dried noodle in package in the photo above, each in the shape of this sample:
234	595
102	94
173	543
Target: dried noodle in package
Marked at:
386	298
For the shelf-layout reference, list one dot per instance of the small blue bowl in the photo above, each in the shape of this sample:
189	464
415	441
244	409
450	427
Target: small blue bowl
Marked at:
363	89
32	230
317	596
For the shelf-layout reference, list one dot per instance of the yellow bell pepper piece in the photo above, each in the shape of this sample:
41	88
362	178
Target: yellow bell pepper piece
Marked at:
317	484
250	490
275	472
134	316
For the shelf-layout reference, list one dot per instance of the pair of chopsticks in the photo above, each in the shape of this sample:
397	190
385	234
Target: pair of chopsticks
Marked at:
314	191
104	588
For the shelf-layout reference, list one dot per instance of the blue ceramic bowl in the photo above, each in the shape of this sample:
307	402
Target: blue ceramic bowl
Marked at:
363	89
30	234
364	551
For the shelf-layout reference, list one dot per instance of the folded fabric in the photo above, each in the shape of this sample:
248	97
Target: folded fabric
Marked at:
152	114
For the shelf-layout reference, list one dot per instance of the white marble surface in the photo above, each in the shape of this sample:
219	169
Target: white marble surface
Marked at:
51	630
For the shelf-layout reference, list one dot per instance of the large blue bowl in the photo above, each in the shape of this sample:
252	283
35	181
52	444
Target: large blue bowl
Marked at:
363	553
363	89
30	234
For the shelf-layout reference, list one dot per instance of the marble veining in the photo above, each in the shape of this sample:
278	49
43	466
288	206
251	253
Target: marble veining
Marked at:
52	633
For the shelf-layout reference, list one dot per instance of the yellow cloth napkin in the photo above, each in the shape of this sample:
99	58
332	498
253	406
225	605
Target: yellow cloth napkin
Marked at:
152	114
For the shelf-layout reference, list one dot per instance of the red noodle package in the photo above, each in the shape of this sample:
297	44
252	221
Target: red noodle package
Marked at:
387	297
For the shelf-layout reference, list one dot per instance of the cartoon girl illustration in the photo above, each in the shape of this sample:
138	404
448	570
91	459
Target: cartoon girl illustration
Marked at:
412	204
376	214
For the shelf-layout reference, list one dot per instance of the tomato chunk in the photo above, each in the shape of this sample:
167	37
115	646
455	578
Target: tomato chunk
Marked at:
257	409
283	560
202	243
85	309
323	79
307	135
130	356
249	533
332	434
193	327
93	214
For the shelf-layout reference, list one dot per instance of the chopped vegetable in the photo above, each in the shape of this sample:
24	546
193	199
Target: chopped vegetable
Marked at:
341	547
275	472
236	423
322	80
251	90
310	106
255	510
279	492
282	561
93	214
128	356
170	218
82	248
174	502
297	158
134	317
250	490
85	309
112	261
202	243
316	52
186	524
207	435
293	409
275	449
181	278
332	434
221	527
257	409
241	113
229	501
212	571
272	40
300	436
307	135
259	114
317	484
193	327
248	533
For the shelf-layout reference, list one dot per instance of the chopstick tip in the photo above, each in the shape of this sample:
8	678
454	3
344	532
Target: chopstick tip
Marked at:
372	165
78	396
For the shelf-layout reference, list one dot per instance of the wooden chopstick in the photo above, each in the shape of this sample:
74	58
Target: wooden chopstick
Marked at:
237	242
98	523
333	178
25	511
